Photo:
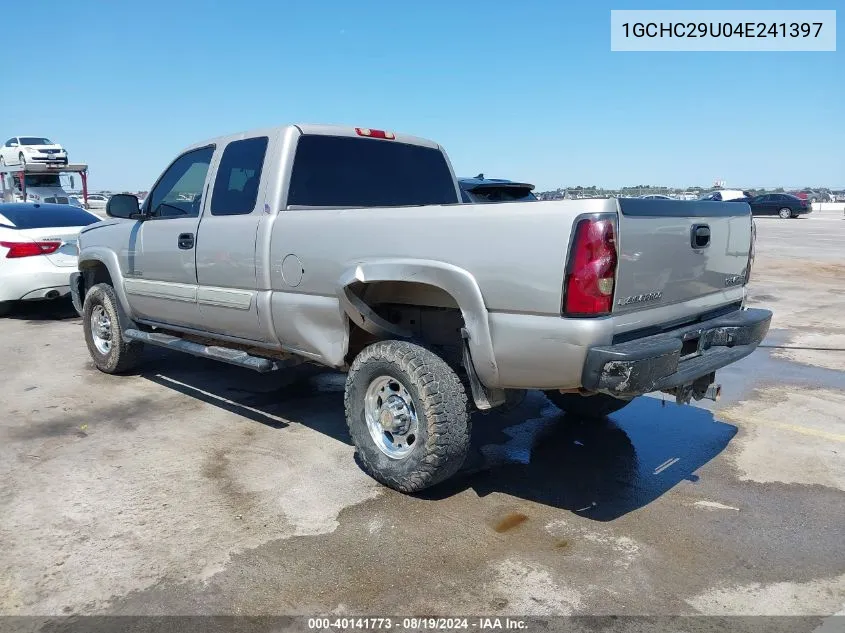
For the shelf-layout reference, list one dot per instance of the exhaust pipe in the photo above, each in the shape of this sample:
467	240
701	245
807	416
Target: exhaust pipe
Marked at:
714	392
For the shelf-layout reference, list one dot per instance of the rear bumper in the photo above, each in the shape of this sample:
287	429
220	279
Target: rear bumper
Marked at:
51	292
656	362
34	280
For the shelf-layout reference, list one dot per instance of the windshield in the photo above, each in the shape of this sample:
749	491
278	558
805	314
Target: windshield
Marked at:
34	140
43	180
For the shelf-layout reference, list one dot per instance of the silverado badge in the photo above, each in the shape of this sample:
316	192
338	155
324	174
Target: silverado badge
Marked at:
643	298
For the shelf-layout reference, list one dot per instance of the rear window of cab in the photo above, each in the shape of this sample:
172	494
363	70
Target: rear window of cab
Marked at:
340	171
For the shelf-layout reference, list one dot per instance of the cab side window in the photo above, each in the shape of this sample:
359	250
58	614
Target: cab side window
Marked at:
178	193
238	177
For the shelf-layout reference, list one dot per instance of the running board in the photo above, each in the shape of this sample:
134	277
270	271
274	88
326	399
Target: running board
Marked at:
224	354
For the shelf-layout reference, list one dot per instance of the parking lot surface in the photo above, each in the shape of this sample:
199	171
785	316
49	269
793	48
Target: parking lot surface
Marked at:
193	487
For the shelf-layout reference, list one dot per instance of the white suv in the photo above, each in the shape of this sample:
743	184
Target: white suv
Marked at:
20	150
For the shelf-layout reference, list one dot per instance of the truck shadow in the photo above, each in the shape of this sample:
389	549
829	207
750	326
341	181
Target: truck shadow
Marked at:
598	469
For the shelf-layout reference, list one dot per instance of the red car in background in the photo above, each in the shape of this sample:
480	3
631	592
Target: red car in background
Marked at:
810	196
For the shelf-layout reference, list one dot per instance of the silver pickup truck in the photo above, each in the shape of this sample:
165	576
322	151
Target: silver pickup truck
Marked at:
349	247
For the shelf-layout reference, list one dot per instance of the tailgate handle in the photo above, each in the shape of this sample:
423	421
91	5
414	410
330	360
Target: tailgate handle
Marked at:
700	236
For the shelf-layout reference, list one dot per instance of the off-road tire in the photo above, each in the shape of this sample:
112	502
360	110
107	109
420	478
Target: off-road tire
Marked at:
124	355
442	413
596	407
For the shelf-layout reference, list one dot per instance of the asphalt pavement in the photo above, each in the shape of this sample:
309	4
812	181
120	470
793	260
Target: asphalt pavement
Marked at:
193	487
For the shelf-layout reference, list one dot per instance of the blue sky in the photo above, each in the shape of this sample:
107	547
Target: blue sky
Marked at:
527	90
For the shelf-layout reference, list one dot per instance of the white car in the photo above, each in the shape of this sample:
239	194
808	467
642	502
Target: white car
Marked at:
22	150
38	250
723	195
97	201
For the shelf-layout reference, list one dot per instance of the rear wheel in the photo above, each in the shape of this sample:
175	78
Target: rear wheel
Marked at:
407	415
596	406
785	213
102	319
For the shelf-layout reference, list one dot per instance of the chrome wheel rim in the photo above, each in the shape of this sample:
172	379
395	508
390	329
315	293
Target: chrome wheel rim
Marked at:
391	417
785	213
101	329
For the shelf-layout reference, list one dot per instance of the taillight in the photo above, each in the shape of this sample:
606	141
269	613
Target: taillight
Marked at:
591	272
365	131
28	249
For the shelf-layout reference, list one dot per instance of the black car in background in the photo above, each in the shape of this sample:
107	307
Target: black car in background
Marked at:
481	189
783	205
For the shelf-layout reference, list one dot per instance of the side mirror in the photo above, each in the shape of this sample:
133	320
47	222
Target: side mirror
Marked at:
13	144
123	205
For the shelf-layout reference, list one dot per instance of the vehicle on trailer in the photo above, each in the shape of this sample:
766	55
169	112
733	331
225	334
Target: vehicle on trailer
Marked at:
348	247
38	250
41	183
481	189
23	150
783	205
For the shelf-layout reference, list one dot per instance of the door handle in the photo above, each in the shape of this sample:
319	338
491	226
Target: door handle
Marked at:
186	241
700	236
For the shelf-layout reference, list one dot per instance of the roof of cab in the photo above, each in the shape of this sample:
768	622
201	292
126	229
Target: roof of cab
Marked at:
313	129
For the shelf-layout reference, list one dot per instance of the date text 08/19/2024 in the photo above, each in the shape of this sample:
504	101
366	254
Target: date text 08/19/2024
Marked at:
417	623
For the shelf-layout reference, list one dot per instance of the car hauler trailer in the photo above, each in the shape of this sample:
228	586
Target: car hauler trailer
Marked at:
40	183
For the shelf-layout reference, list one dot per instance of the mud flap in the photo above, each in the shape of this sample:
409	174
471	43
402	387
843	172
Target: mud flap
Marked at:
483	397
77	291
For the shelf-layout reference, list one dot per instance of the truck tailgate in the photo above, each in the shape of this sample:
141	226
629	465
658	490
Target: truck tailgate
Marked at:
671	251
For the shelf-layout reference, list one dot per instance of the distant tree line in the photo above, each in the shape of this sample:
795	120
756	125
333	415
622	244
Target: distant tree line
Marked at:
592	191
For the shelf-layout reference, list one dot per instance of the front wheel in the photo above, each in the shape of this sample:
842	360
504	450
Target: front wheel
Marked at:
102	319
785	214
407	415
596	406
5	306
